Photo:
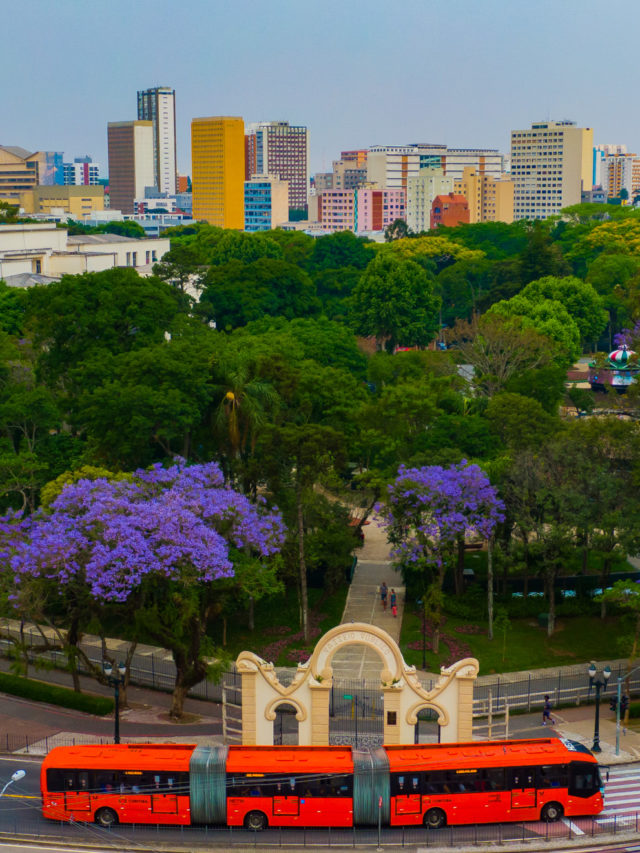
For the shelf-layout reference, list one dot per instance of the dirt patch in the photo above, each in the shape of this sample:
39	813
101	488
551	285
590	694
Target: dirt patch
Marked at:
186	719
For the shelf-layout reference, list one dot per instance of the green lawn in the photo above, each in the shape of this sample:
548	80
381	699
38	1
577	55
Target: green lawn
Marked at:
577	639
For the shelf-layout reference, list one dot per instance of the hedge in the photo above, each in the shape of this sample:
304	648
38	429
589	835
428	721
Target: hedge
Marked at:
39	691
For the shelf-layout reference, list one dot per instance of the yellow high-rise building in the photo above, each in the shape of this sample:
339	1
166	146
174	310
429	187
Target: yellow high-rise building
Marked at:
490	199
217	170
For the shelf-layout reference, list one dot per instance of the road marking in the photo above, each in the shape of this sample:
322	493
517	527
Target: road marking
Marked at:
572	826
22	796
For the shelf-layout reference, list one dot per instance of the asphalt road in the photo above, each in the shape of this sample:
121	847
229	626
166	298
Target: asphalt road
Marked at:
20	815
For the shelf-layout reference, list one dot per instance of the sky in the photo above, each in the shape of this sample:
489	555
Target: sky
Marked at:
459	72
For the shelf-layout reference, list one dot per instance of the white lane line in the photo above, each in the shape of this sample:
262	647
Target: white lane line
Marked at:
572	826
616	801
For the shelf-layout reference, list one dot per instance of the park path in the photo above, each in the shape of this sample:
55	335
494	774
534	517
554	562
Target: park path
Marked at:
363	605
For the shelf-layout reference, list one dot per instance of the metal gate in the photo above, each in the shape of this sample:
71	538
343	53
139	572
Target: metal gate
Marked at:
285	726
356	714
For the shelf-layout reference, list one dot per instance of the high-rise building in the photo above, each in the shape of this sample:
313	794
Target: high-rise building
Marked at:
76	201
217	170
82	172
551	164
266	203
348	175
450	210
619	174
392	165
490	199
421	191
159	106
282	149
131	170
599	153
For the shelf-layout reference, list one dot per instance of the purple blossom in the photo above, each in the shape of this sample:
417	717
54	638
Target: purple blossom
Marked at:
178	522
430	507
627	337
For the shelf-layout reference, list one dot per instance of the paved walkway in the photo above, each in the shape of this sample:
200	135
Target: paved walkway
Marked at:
364	605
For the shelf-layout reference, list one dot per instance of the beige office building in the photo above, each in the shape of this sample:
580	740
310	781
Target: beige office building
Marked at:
131	162
490	199
421	191
217	170
75	201
551	164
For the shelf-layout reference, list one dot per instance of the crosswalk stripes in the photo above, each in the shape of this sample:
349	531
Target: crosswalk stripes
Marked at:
621	794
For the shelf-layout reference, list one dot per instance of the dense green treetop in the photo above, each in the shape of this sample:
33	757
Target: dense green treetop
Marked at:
395	302
236	293
548	317
578	297
104	312
238	246
342	249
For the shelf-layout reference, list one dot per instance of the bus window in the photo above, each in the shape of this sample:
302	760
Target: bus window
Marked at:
522	777
584	779
494	779
552	776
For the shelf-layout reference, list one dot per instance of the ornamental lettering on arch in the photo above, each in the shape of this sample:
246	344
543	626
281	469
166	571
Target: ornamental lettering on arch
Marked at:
355	637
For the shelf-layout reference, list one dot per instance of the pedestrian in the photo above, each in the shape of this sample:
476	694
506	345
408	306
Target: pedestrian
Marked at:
394	604
383	594
546	712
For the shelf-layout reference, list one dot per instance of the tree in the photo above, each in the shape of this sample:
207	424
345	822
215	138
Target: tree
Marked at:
395	302
540	257
429	509
578	297
237	293
397	230
8	212
169	532
548	317
95	314
243	247
342	249
520	422
180	266
499	348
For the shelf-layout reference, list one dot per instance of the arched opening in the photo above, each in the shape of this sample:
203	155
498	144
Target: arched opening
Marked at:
426	729
285	725
356	702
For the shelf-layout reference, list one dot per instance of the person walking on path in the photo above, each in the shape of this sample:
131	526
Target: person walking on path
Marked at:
546	712
383	594
394	603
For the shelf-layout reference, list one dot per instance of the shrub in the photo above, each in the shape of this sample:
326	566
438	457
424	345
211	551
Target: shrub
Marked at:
634	710
39	691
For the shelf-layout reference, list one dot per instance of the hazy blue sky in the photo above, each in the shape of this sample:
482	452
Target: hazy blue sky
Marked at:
460	72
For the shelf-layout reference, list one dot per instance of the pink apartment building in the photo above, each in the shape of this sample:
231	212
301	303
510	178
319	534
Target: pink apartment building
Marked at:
360	210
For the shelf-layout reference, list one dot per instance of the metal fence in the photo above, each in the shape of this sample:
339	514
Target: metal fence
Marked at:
194	837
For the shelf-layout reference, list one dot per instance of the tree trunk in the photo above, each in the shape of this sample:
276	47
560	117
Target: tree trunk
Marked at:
224	632
177	701
302	566
459	565
73	638
525	579
606	568
252	620
490	586
551	625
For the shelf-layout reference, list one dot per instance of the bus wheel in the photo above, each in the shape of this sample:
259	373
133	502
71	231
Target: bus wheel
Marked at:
435	818
106	817
551	812
256	821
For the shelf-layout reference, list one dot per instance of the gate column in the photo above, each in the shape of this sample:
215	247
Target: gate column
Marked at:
320	695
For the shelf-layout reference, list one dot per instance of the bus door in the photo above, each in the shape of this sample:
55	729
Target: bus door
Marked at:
407	798
285	802
80	799
523	787
163	798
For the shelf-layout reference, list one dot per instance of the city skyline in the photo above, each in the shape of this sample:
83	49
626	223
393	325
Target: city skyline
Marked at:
356	77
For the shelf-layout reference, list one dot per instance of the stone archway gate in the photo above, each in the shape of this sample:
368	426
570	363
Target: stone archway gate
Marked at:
309	692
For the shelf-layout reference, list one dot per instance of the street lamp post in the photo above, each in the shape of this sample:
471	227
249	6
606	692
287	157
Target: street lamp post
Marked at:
115	681
598	683
19	774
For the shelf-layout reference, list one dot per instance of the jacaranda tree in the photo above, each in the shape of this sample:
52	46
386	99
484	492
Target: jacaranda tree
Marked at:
428	509
162	538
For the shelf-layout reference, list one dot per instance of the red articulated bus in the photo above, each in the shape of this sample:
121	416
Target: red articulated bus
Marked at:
255	787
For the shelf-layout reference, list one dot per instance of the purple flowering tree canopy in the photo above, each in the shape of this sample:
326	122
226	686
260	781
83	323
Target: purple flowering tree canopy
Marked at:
178	522
430	507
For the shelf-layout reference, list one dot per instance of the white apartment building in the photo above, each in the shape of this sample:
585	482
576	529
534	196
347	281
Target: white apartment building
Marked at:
159	107
393	165
421	191
551	163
